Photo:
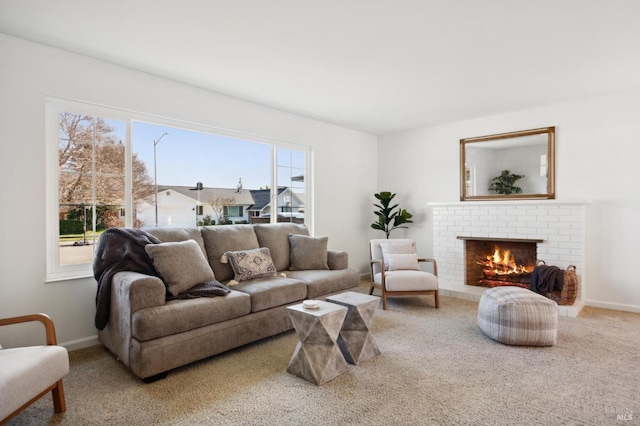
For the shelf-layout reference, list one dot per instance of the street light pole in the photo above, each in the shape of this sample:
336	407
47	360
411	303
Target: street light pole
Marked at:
155	173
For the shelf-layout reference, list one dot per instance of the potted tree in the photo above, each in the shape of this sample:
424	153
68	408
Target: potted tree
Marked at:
389	217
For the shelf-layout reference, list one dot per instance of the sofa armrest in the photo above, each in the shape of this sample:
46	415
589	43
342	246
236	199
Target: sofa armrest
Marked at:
137	291
337	259
130	292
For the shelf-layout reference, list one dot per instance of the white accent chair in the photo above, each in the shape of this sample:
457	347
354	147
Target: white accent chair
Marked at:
401	277
28	373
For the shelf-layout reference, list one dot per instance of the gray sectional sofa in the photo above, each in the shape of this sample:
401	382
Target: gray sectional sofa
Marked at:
152	335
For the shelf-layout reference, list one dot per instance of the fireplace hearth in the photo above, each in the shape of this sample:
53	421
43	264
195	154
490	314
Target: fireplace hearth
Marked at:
492	262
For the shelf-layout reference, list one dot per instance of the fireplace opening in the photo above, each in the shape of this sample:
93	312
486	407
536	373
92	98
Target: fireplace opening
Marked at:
492	262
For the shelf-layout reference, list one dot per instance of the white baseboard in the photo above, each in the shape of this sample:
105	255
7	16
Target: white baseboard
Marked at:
85	342
613	306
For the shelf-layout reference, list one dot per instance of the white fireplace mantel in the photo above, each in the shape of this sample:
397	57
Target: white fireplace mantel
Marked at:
508	202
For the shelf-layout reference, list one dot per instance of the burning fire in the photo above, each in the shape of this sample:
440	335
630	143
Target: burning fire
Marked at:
504	264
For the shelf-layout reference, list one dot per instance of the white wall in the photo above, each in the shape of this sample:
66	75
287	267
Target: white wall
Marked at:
597	156
343	173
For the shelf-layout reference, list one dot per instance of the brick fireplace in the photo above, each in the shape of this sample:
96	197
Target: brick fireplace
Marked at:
555	228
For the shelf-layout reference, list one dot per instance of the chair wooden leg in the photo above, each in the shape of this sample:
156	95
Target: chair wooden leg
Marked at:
370	290
57	392
384	301
437	299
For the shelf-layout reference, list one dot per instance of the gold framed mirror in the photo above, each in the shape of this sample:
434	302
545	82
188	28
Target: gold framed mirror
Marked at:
507	166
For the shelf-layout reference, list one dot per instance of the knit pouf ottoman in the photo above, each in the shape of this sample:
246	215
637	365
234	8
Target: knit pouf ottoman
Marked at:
517	316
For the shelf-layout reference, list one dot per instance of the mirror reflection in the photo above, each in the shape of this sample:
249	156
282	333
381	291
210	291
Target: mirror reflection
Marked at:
516	165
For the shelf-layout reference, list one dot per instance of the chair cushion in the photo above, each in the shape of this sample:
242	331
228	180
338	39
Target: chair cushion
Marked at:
408	280
517	316
27	371
399	255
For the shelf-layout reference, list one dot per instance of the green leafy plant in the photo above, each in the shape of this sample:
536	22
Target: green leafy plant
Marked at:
505	183
389	217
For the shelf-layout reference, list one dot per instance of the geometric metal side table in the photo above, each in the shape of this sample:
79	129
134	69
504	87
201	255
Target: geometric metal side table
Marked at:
355	339
317	358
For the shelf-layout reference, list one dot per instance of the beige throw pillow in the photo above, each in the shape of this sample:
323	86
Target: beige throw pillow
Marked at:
399	256
308	253
181	264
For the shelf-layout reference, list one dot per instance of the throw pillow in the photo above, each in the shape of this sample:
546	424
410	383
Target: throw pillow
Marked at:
308	253
399	255
182	265
251	264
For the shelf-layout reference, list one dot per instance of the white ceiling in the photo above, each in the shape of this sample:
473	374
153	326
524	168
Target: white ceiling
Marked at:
379	66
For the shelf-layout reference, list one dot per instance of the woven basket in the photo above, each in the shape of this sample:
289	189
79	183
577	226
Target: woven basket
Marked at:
569	290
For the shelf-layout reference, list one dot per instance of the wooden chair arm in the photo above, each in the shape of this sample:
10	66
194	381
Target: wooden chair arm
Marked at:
43	318
379	262
431	260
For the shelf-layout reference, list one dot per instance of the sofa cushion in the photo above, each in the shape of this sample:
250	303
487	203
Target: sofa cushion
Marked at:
177	234
321	283
182	265
251	264
276	237
177	316
271	292
308	253
220	239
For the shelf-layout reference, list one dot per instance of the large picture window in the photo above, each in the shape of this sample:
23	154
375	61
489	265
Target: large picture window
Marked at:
109	168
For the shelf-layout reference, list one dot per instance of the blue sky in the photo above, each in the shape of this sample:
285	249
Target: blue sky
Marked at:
185	157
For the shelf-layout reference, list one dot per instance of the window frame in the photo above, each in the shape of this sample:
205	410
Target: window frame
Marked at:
54	106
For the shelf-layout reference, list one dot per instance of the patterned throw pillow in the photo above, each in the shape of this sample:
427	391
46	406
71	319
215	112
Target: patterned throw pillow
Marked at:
251	264
399	256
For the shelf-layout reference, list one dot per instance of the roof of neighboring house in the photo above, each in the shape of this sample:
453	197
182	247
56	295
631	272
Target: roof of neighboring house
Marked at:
240	198
262	197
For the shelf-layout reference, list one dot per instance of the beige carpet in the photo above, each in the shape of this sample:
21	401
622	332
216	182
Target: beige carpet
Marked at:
436	367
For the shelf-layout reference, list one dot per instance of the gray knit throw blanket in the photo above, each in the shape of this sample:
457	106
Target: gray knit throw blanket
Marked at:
119	249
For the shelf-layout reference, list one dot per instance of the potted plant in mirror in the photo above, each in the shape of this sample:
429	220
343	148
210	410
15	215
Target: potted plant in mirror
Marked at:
505	183
389	217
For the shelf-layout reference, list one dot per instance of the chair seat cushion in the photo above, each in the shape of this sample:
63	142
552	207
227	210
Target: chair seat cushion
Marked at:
408	280
27	371
517	316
